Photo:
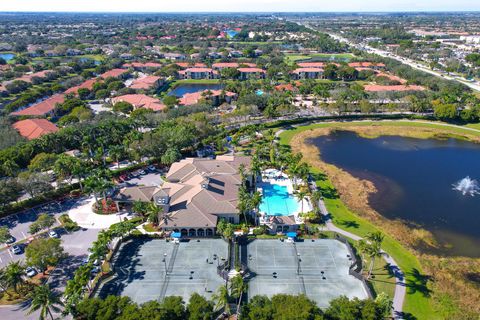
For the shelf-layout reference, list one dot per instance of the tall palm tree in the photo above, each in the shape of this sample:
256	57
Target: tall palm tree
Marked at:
301	195
45	300
237	288
221	299
14	274
374	248
116	151
153	211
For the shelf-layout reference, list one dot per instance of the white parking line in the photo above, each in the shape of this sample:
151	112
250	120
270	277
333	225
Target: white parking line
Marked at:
24	236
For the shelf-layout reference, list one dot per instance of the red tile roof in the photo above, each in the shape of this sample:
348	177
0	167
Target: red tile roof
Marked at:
34	128
379	88
251	70
298	70
188	64
286	87
225	65
145	82
41	108
193	98
311	64
88	84
141	101
115	73
365	64
39	74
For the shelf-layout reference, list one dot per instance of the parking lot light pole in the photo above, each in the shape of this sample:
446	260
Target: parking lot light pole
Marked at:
165	262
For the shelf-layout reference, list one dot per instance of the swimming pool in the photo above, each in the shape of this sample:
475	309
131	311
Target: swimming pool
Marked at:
277	201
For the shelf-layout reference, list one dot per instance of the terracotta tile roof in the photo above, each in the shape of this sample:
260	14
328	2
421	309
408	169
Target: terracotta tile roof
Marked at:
365	64
298	70
379	88
225	65
145	82
311	64
286	87
193	98
115	73
88	84
41	108
391	77
34	128
251	70
141	101
188	65
39	74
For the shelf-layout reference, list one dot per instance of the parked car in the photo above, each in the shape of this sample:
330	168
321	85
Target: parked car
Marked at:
53	234
142	172
30	272
152	168
16	249
123	177
10	240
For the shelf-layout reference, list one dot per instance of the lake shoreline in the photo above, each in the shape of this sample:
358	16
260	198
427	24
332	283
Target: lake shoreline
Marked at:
452	274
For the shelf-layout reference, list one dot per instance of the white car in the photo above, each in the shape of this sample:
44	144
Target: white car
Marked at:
16	249
53	234
30	272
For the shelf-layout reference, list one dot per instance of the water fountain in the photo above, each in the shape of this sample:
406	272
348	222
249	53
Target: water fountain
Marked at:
467	186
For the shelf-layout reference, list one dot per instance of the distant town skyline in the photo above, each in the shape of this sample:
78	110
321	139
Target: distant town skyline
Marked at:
239	6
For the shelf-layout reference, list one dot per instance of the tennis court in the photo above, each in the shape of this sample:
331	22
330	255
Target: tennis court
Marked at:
318	269
140	269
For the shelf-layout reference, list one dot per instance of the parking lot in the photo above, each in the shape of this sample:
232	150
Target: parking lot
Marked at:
141	272
317	269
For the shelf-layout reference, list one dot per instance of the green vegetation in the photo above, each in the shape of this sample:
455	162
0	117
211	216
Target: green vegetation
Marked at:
290	59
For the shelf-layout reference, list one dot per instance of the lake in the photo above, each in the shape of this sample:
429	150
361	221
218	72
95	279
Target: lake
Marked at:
182	89
416	179
7	56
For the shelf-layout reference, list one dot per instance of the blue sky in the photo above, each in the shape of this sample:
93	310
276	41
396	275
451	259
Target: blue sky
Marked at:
238	5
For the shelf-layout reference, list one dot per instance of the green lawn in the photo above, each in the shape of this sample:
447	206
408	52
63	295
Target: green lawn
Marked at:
292	58
417	301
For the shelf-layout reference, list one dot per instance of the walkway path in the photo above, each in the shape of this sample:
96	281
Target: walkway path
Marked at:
400	284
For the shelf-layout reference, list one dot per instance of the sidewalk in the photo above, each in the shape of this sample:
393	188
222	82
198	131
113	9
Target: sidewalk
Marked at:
86	218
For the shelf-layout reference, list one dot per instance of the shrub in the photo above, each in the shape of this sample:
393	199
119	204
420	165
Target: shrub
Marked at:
68	223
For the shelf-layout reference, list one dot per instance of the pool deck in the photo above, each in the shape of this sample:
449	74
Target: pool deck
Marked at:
286	182
330	256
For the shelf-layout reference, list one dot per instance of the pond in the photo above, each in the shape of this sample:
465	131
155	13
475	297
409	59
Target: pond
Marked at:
426	182
7	56
182	89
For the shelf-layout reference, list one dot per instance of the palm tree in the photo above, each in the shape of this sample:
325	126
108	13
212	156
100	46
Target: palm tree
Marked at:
45	300
374	248
153	211
116	151
301	195
237	288
14	274
221	299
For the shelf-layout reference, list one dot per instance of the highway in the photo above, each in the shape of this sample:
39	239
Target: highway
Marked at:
412	63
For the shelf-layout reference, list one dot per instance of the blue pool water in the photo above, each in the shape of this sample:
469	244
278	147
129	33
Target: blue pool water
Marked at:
231	33
277	201
7	56
259	92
